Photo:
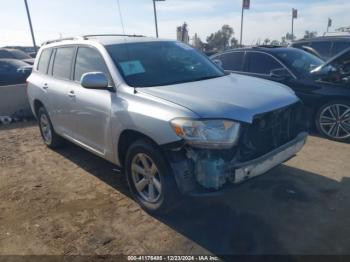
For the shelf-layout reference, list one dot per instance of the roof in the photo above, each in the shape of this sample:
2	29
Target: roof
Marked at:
107	39
266	48
320	38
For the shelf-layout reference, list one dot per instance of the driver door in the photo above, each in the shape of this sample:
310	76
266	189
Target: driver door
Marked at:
91	108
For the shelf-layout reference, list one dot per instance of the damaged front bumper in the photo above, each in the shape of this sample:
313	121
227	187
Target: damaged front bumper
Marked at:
202	174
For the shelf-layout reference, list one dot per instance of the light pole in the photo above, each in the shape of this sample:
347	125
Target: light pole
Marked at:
155	15
245	5
294	16
30	25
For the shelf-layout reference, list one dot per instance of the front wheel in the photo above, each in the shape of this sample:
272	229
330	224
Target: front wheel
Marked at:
333	120
150	178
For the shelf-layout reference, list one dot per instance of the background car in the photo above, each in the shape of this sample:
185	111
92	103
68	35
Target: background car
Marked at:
325	46
16	54
323	87
13	72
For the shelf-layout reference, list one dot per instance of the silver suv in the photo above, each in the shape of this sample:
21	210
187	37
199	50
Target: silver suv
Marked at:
176	122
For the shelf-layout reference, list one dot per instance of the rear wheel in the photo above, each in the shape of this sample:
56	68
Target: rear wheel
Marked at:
51	139
333	120
150	178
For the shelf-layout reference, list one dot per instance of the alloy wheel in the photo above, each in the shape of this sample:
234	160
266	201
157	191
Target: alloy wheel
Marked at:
335	121
146	178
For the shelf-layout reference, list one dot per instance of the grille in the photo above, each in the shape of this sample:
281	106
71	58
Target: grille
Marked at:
270	131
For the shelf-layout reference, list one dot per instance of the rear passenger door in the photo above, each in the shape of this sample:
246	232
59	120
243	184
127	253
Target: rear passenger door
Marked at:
91	107
61	111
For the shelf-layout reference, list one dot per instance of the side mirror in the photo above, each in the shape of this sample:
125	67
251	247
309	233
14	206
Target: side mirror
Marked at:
218	63
279	73
94	80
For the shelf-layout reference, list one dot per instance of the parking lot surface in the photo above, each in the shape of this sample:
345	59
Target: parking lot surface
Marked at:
71	202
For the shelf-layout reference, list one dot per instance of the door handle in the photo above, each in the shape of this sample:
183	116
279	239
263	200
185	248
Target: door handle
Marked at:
45	86
71	94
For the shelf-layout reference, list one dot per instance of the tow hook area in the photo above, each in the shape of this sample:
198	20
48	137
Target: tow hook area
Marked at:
209	171
197	170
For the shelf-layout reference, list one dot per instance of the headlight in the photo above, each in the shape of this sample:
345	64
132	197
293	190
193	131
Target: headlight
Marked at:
214	133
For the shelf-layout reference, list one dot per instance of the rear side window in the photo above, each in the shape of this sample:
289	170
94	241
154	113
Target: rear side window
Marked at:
339	47
323	48
44	61
88	60
63	61
259	63
232	61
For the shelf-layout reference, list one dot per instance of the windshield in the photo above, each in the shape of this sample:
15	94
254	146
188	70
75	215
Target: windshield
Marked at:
336	71
161	63
300	62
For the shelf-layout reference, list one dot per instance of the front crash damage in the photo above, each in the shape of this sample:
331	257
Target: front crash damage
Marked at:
206	172
272	139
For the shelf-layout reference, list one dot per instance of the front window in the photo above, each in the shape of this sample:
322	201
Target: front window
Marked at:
299	61
231	61
161	63
260	63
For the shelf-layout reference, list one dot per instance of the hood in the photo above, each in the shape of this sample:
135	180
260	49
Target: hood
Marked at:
234	96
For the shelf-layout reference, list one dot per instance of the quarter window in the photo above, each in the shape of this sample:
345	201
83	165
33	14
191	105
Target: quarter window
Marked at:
323	48
44	61
63	61
232	61
88	60
339	47
259	63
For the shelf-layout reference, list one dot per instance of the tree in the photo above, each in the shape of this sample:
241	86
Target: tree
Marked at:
197	42
290	37
310	34
275	42
266	41
234	42
284	41
222	39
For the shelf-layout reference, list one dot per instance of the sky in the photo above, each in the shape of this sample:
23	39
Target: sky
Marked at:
266	18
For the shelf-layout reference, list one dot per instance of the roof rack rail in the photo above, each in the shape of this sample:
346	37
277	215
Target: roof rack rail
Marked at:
87	36
61	39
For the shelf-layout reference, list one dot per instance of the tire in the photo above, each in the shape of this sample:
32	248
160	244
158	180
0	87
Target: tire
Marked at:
162	198
48	134
333	120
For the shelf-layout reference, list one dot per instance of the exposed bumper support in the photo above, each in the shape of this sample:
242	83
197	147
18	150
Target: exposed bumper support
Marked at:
264	163
186	170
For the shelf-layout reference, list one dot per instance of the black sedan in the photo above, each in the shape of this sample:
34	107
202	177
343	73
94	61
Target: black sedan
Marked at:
13	72
6	53
323	87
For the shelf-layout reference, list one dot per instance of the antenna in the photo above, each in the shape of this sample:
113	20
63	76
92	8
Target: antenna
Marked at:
121	17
